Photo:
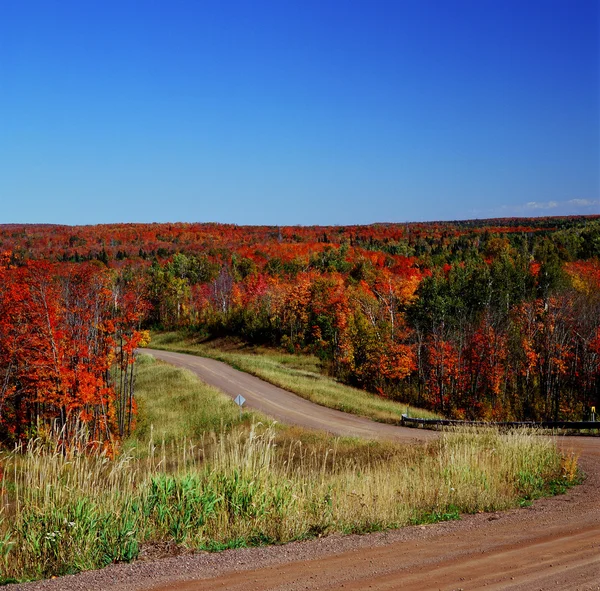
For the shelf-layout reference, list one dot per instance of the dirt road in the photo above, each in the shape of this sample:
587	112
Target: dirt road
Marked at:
552	545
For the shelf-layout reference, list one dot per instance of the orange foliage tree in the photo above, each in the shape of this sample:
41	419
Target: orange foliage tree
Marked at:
67	345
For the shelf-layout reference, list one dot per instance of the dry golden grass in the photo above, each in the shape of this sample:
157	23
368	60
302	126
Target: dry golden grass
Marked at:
255	483
69	512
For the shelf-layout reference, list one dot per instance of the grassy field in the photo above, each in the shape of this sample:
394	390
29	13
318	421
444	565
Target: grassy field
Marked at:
241	482
174	404
300	374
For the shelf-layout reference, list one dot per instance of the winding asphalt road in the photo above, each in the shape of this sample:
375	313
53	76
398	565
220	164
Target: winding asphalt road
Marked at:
285	406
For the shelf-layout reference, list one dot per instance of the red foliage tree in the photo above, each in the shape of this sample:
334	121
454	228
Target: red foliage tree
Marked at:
67	342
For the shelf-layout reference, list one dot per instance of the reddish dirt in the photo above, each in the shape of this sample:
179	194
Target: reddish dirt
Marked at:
554	544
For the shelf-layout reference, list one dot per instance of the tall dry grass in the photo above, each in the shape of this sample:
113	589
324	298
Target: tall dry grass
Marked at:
63	511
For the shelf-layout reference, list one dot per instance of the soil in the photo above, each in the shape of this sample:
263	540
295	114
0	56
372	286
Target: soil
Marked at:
553	544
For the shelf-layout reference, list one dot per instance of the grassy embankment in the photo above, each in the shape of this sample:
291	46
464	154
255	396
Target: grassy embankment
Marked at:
300	374
239	482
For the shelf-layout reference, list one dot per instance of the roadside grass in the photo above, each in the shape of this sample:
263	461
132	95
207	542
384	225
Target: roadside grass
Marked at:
300	374
174	404
244	483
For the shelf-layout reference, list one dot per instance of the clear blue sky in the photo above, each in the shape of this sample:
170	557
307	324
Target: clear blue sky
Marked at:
297	111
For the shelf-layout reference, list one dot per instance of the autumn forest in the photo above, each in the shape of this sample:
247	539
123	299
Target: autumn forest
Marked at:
492	320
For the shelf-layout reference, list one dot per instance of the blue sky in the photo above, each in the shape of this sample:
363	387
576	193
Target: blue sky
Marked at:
297	112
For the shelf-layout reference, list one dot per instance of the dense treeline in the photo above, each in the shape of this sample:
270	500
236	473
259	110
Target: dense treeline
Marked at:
434	242
67	340
497	319
500	337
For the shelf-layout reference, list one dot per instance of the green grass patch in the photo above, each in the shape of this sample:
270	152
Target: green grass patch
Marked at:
427	517
174	404
301	374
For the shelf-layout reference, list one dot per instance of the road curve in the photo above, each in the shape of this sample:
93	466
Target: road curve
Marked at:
285	406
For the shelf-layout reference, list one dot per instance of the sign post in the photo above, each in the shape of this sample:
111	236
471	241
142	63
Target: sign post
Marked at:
239	400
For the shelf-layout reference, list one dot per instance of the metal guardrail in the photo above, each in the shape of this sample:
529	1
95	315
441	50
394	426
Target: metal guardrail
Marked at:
574	425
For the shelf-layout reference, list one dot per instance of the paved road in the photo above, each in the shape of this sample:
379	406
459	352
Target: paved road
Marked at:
285	406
